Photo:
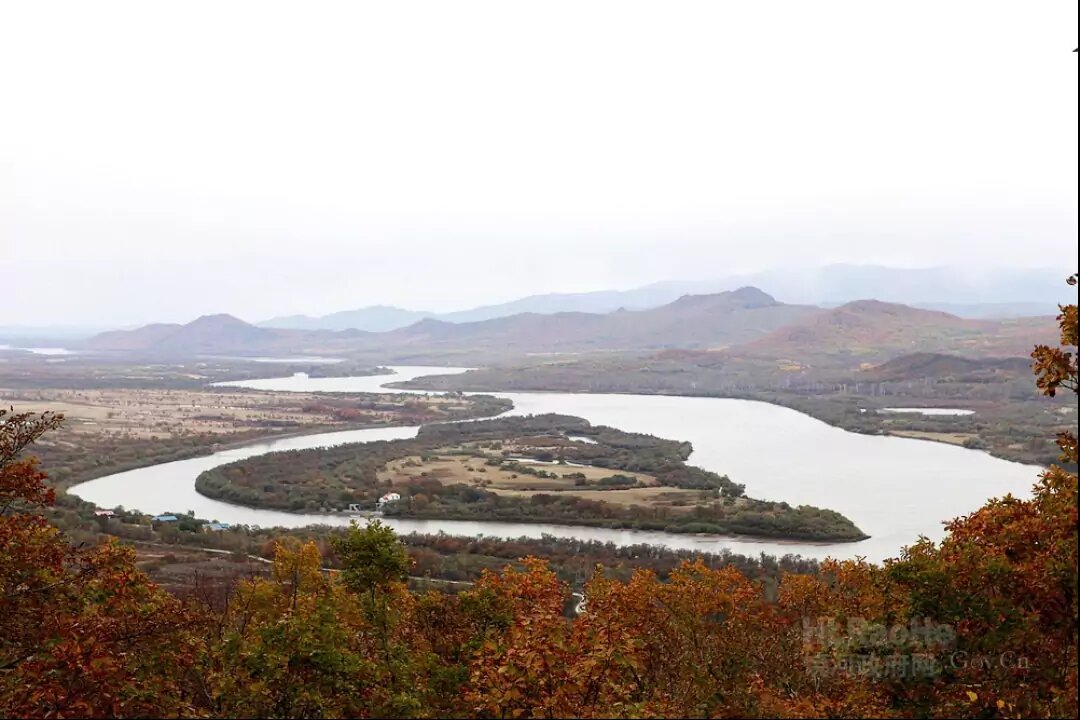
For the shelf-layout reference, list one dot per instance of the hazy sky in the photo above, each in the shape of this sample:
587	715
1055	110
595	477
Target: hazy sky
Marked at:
163	160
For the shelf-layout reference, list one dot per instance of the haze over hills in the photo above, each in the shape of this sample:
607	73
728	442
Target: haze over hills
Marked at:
748	320
208	334
939	366
987	294
716	320
379	318
872	330
692	321
975	294
956	286
376	318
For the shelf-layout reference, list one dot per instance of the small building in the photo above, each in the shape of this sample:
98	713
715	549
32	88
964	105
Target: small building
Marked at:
104	513
217	527
387	499
165	518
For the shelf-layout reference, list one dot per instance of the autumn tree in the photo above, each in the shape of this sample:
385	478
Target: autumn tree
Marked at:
292	645
82	632
1006	578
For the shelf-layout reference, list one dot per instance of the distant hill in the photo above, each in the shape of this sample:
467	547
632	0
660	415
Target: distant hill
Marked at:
598	302
694	321
135	340
938	366
376	318
697	321
748	322
871	330
992	310
381	318
955	289
207	334
966	293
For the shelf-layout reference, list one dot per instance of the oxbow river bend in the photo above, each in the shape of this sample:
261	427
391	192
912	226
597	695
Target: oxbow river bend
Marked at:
895	489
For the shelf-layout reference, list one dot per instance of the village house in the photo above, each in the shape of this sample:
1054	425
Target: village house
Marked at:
386	499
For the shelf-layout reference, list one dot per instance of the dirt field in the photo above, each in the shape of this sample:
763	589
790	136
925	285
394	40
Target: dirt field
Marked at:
502	480
656	495
158	414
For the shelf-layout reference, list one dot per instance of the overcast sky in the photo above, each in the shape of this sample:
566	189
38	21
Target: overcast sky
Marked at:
163	160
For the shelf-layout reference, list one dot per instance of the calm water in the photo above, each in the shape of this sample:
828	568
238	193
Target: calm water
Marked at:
895	489
42	350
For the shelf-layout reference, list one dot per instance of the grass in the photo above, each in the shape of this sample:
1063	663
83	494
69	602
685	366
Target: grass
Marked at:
471	469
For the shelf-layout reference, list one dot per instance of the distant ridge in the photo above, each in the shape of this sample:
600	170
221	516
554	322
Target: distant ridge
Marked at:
939	366
691	321
987	294
703	321
747	322
206	334
871	330
376	318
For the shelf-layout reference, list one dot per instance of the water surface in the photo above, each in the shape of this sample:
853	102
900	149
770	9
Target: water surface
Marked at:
895	489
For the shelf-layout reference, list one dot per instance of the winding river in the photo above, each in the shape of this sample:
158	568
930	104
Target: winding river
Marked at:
895	489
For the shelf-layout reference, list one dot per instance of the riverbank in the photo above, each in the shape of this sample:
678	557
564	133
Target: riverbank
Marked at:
895	489
467	471
1014	428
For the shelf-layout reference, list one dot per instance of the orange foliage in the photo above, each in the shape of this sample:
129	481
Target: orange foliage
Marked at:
82	633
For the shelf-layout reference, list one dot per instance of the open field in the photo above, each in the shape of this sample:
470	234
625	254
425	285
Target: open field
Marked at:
538	478
470	468
676	499
520	469
110	430
21	371
161	414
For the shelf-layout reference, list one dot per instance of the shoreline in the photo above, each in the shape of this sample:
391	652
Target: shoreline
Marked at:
390	388
990	452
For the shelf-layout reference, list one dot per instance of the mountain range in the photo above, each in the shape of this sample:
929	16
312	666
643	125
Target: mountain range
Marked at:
747	321
999	293
692	321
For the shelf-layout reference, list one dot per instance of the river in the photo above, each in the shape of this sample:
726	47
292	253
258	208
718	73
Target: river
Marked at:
894	489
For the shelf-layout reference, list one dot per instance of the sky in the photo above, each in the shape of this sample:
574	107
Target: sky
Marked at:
159	161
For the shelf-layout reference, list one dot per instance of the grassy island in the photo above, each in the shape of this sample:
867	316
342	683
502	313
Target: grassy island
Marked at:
542	468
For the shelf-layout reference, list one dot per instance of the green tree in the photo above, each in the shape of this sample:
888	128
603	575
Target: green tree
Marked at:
375	565
371	557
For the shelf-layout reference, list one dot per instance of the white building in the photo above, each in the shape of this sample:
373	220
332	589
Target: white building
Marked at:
388	498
